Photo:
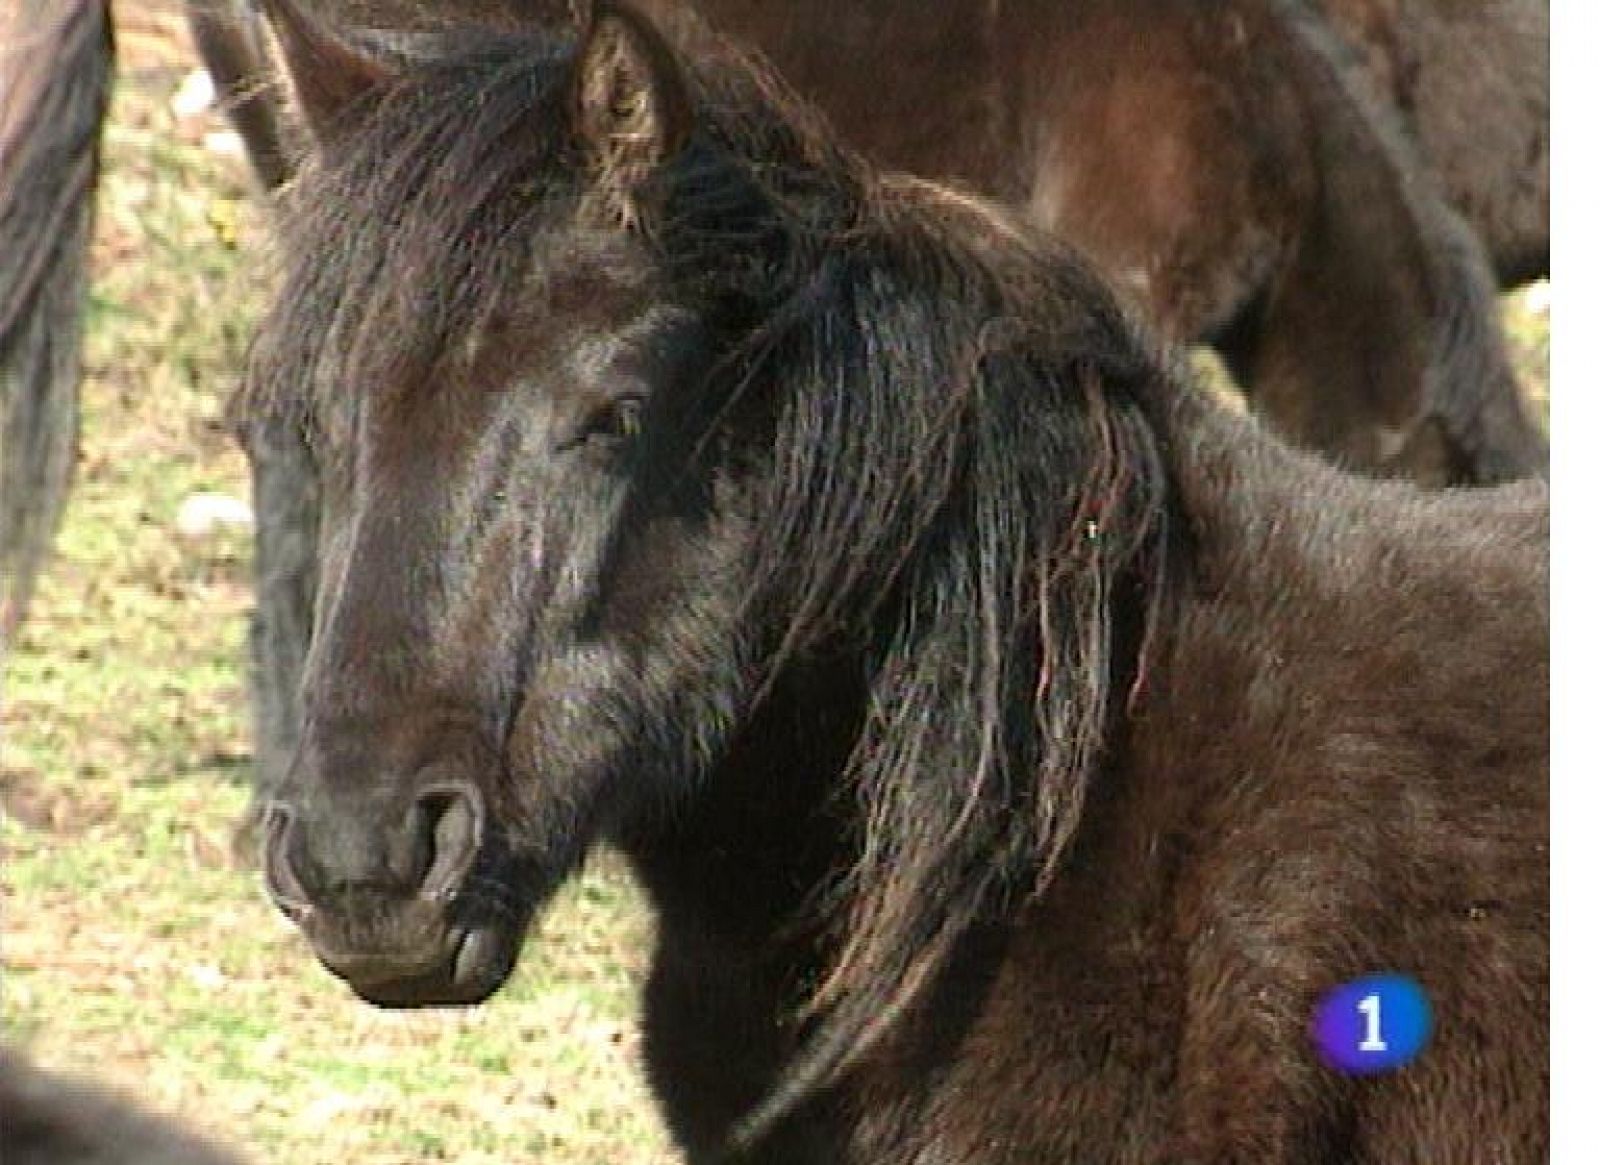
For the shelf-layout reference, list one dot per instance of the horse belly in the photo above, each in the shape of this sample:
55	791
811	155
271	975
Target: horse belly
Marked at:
913	85
1165	147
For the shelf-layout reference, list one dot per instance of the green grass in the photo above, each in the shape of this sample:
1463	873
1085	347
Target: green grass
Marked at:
136	946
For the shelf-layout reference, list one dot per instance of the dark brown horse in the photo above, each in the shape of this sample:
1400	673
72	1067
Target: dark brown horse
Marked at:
1220	161
1015	743
1471	83
1225	164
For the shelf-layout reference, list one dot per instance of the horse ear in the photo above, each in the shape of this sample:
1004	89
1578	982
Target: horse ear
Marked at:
328	72
632	102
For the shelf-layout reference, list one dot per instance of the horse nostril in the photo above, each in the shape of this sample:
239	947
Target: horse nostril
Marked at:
455	817
283	884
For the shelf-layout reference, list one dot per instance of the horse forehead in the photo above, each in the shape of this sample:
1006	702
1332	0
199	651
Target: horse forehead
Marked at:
575	339
630	343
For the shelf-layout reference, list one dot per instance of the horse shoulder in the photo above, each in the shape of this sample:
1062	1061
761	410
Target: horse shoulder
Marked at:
1338	771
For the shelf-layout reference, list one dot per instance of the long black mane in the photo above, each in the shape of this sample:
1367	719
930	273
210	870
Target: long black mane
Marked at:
967	483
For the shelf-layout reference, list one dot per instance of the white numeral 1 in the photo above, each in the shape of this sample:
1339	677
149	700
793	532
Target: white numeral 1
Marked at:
1374	1042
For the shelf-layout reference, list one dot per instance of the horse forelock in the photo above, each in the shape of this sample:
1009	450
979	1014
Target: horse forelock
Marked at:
400	238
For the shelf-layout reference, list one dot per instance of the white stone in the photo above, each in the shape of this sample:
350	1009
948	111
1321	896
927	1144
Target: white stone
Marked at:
202	515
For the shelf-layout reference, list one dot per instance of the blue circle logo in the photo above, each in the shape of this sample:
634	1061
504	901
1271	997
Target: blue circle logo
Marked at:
1373	1024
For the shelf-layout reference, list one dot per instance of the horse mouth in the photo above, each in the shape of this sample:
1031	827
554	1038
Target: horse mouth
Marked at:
458	967
431	965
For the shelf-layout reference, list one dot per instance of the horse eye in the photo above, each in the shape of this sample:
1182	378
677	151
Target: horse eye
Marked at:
625	417
613	422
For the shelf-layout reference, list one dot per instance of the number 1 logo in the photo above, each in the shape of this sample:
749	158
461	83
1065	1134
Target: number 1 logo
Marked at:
1371	1006
1374	1024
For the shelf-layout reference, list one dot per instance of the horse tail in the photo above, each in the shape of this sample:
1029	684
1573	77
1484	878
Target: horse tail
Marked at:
55	68
1470	402
1471	384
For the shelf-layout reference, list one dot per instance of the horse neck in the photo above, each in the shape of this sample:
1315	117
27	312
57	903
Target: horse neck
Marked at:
762	837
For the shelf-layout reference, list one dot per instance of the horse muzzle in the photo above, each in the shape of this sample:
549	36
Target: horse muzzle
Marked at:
436	939
441	965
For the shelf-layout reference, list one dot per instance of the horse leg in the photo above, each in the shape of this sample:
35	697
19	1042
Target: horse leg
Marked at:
1218	168
57	82
1471	84
1153	163
227	34
1354	353
1379	338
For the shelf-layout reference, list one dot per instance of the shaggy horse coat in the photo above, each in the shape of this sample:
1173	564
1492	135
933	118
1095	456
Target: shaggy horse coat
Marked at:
1233	168
1014	742
1341	291
1227	165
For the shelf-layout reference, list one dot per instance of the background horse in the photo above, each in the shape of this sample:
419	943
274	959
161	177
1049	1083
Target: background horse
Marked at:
51	1120
1228	173
56	76
1015	742
1471	84
1168	142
